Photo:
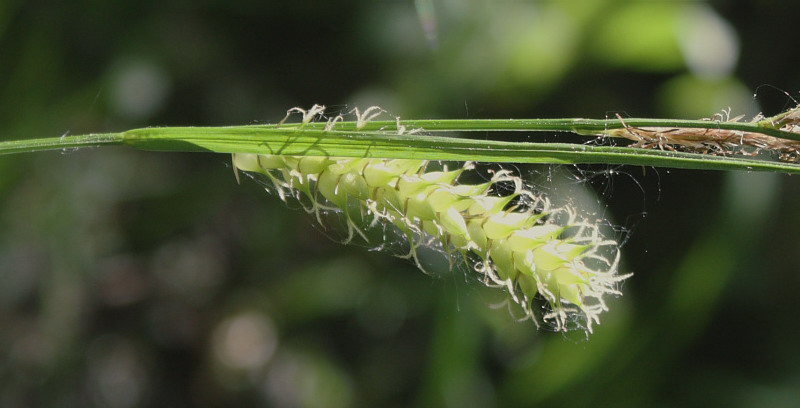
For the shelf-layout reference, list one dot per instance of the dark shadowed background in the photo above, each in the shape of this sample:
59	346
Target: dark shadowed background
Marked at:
138	279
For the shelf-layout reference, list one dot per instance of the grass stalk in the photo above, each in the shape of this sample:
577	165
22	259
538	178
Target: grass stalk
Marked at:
388	139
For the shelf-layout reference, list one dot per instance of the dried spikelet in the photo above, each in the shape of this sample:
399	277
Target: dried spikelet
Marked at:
517	241
716	141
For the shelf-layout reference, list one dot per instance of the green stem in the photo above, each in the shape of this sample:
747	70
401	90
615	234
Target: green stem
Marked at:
381	139
575	125
60	143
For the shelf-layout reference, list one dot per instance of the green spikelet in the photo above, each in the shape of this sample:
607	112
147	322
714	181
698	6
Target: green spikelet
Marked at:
535	250
517	241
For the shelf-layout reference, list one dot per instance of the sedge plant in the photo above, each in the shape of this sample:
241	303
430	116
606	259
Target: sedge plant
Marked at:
553	262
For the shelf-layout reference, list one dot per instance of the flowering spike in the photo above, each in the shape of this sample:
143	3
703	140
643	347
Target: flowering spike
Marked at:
517	241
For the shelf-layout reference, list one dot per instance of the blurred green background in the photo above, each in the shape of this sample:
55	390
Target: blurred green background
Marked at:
137	279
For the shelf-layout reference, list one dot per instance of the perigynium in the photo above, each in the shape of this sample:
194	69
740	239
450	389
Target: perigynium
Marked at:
515	240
